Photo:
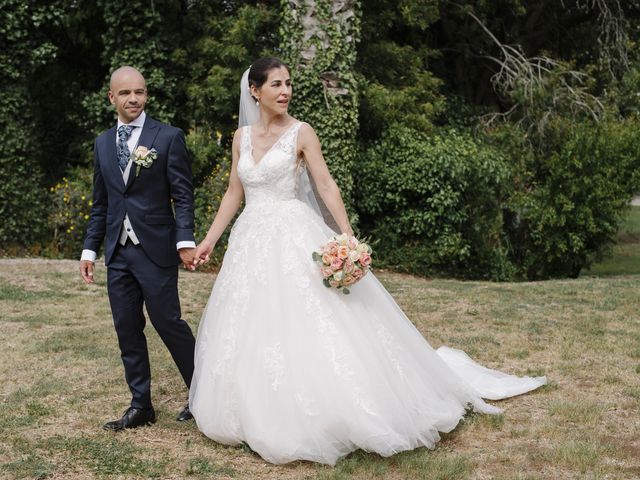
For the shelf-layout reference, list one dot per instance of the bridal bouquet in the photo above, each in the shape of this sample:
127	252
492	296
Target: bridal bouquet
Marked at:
343	261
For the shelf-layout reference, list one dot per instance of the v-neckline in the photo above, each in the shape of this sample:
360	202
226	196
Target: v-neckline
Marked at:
270	148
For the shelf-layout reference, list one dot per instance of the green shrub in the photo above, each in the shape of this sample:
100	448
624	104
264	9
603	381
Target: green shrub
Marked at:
207	201
22	204
205	147
433	205
571	195
70	208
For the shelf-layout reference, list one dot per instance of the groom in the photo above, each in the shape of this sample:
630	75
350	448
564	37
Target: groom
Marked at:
144	241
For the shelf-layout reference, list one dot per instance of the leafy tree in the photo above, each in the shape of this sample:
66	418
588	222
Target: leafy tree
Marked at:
224	38
394	67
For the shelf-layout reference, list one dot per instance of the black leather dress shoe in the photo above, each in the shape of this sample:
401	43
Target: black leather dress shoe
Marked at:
184	415
132	418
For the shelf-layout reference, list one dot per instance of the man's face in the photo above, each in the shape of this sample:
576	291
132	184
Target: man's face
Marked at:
128	94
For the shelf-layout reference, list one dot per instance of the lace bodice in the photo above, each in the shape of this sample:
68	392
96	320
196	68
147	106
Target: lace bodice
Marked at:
272	178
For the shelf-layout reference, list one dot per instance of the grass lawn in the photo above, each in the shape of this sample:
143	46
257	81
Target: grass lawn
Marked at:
61	378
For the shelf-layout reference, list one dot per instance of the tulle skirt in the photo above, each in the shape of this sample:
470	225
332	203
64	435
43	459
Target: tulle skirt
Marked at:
302	372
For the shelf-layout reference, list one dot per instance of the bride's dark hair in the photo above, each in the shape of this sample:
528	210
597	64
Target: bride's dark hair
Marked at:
260	69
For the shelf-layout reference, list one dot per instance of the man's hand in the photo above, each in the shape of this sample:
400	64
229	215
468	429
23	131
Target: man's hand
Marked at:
86	271
188	258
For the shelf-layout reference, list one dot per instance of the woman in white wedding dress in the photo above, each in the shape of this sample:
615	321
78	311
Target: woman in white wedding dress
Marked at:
294	369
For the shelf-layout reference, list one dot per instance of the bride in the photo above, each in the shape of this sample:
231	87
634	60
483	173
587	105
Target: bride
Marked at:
296	370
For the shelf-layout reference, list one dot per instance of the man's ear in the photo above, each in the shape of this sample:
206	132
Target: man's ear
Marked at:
111	97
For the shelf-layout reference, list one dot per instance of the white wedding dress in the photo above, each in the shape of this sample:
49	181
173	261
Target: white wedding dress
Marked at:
302	372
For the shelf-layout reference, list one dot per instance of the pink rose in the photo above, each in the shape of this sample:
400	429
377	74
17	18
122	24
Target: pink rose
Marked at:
365	259
357	274
343	252
353	243
333	283
336	264
332	248
348	266
326	272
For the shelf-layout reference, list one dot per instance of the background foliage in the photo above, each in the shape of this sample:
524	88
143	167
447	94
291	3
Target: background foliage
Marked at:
472	138
433	203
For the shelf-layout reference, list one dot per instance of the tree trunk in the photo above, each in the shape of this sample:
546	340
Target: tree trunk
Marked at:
319	43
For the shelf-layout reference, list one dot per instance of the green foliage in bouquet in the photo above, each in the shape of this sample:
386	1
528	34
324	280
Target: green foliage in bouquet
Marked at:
570	198
433	204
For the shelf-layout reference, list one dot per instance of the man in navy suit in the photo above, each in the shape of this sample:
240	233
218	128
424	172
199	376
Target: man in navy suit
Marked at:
144	213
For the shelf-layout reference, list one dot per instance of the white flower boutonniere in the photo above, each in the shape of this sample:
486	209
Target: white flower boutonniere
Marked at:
143	157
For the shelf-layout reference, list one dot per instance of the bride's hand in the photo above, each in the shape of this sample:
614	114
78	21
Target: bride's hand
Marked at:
203	251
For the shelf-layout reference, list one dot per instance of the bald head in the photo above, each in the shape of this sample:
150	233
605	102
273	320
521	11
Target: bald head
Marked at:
125	73
128	93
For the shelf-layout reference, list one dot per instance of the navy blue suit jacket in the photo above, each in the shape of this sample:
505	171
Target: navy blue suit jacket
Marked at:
147	198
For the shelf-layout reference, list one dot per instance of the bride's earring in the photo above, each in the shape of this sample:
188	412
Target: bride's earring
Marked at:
257	103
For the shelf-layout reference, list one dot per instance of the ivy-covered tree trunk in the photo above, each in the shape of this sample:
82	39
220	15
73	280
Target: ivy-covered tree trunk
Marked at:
318	41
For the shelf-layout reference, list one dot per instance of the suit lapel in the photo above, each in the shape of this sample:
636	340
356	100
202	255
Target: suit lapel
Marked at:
147	136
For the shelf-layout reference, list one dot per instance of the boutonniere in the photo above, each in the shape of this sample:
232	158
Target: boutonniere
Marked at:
143	157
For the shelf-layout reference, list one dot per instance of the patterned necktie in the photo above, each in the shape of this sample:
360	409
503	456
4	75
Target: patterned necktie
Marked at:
122	149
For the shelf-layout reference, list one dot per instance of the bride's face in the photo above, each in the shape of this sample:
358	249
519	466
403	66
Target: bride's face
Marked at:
275	94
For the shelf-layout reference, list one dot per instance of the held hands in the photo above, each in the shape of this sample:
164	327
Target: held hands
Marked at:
203	251
192	258
188	258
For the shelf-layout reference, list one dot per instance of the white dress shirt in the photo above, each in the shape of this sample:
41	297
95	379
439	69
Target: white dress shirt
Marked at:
127	229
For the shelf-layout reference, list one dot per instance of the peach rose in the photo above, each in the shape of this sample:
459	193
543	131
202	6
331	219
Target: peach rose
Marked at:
343	252
333	283
142	152
349	280
326	259
357	274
